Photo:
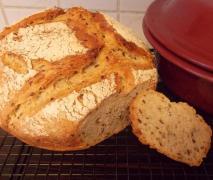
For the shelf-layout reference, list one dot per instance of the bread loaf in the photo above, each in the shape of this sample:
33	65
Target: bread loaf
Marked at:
68	76
173	129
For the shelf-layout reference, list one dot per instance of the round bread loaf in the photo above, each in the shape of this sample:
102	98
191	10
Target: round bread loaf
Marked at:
67	78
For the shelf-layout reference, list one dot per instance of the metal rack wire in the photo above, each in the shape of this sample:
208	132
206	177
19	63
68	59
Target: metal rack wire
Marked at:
119	157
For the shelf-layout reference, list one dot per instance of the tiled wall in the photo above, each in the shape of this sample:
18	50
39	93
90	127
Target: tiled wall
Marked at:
129	12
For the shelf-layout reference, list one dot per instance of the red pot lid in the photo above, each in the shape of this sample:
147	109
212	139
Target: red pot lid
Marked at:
185	27
175	59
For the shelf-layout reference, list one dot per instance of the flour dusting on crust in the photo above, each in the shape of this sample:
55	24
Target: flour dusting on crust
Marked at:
50	41
12	82
77	105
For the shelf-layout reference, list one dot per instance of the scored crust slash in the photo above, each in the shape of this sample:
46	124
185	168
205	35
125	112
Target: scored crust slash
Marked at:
64	73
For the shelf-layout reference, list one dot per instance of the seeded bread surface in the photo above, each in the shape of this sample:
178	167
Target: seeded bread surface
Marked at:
173	129
67	78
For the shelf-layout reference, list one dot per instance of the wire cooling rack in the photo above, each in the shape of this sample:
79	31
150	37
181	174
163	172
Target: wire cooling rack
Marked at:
119	157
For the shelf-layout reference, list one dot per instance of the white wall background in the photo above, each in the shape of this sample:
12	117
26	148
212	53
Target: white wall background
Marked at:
129	12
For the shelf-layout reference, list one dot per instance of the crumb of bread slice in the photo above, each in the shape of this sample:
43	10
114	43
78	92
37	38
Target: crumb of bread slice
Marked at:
173	129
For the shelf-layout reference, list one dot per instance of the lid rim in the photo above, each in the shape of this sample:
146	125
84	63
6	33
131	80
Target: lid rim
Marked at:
175	59
157	26
190	59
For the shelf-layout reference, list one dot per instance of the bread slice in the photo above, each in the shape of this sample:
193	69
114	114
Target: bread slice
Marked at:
173	129
67	78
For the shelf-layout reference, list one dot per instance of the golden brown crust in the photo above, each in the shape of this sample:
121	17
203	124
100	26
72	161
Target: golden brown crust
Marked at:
108	53
15	62
134	120
64	139
41	17
115	55
62	69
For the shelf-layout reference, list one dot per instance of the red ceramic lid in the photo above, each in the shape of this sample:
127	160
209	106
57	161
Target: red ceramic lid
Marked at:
175	59
185	27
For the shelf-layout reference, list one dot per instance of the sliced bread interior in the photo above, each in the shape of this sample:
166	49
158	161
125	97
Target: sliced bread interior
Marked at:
173	129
